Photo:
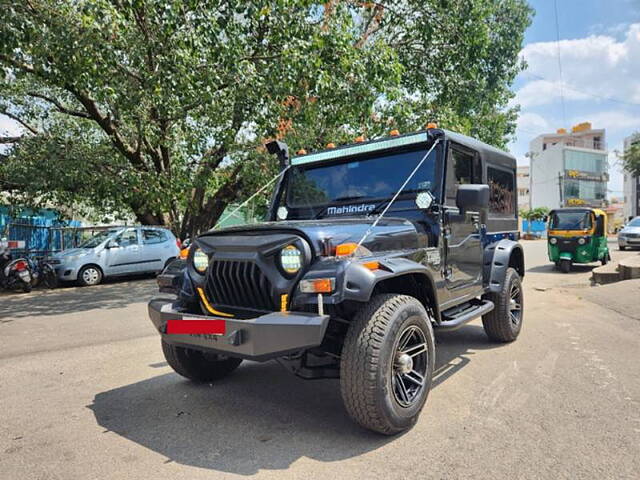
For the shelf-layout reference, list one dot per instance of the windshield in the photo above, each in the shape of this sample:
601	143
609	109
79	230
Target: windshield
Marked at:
634	223
97	239
359	181
571	221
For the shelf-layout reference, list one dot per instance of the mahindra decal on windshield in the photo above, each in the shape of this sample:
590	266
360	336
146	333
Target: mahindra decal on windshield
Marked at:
350	209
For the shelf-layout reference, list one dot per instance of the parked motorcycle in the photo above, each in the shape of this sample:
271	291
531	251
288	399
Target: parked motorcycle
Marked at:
14	274
43	273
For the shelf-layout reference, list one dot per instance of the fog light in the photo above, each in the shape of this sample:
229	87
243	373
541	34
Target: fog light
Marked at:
318	285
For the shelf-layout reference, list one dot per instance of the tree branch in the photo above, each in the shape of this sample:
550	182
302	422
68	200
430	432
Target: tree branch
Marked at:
61	108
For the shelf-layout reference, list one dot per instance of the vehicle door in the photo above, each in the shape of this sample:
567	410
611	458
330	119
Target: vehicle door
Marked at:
155	249
462	266
124	253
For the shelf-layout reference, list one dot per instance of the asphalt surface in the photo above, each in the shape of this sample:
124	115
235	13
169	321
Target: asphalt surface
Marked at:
85	393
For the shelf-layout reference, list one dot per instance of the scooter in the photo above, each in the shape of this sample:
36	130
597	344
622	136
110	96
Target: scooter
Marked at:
14	274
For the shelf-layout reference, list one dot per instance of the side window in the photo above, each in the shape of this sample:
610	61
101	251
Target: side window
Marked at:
463	168
128	237
501	191
151	237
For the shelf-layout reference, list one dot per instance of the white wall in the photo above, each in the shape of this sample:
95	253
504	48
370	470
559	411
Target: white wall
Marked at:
545	168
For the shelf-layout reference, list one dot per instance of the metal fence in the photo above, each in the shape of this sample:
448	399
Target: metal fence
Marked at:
45	240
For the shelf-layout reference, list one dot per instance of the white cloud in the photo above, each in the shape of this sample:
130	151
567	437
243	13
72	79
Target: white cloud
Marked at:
593	67
529	122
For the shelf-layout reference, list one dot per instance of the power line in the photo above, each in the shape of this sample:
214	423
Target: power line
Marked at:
564	113
590	94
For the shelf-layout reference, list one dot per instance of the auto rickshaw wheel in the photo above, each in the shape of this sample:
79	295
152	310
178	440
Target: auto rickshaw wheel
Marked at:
565	265
605	259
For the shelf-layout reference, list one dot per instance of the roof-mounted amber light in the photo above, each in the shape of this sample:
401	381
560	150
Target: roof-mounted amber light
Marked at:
432	125
394	133
302	151
360	139
331	145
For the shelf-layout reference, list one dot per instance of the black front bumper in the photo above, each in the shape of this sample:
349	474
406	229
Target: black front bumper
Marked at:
261	338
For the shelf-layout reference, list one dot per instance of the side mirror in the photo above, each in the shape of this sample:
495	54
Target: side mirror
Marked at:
113	244
472	197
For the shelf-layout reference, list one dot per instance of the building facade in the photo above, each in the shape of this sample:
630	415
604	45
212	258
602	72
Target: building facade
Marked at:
569	168
523	187
631	185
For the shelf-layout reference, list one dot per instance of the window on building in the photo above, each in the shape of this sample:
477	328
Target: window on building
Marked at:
595	163
544	146
501	191
463	168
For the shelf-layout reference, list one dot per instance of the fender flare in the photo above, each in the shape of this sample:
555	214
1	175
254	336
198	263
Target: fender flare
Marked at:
360	283
499	256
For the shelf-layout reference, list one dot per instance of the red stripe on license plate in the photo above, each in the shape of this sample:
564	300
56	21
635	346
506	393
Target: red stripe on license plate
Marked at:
211	327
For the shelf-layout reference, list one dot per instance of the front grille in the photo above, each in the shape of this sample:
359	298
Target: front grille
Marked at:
238	283
633	235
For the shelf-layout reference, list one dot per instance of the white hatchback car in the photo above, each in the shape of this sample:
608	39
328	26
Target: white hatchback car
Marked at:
117	251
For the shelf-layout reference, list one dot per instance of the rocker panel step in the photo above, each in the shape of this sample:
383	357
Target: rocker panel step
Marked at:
456	317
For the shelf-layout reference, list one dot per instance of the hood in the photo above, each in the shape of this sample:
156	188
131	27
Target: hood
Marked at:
630	229
72	252
390	233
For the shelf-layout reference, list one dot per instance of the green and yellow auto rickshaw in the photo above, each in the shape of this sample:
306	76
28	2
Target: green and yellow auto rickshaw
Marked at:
577	235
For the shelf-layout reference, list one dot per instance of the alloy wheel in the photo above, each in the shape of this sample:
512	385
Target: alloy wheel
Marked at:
409	366
91	276
515	304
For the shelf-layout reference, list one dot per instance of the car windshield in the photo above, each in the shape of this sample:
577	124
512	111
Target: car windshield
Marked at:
571	220
97	239
372	179
634	223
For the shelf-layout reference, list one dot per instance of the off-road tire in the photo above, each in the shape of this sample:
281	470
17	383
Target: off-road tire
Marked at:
565	266
498	324
368	357
195	365
83	282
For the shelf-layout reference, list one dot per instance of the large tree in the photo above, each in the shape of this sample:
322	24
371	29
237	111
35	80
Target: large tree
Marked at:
159	107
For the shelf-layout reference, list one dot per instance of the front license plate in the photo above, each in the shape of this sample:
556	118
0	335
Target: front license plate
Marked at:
196	327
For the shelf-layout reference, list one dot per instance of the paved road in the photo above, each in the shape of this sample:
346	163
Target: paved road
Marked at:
85	393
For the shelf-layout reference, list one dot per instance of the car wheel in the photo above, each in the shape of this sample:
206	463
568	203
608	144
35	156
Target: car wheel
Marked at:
197	365
504	322
621	248
387	363
89	275
565	266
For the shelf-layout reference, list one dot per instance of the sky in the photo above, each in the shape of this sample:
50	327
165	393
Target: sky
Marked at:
599	51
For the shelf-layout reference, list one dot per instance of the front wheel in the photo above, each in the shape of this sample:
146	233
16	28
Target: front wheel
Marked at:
89	275
504	322
387	363
565	265
197	365
621	248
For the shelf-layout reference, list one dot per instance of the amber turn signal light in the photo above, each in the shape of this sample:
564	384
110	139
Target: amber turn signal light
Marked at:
371	265
346	249
318	285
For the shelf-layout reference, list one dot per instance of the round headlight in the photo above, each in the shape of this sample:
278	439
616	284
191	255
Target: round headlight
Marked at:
291	259
553	240
200	261
582	241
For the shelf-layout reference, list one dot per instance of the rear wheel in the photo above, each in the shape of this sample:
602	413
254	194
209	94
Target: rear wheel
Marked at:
565	266
387	363
197	365
504	322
